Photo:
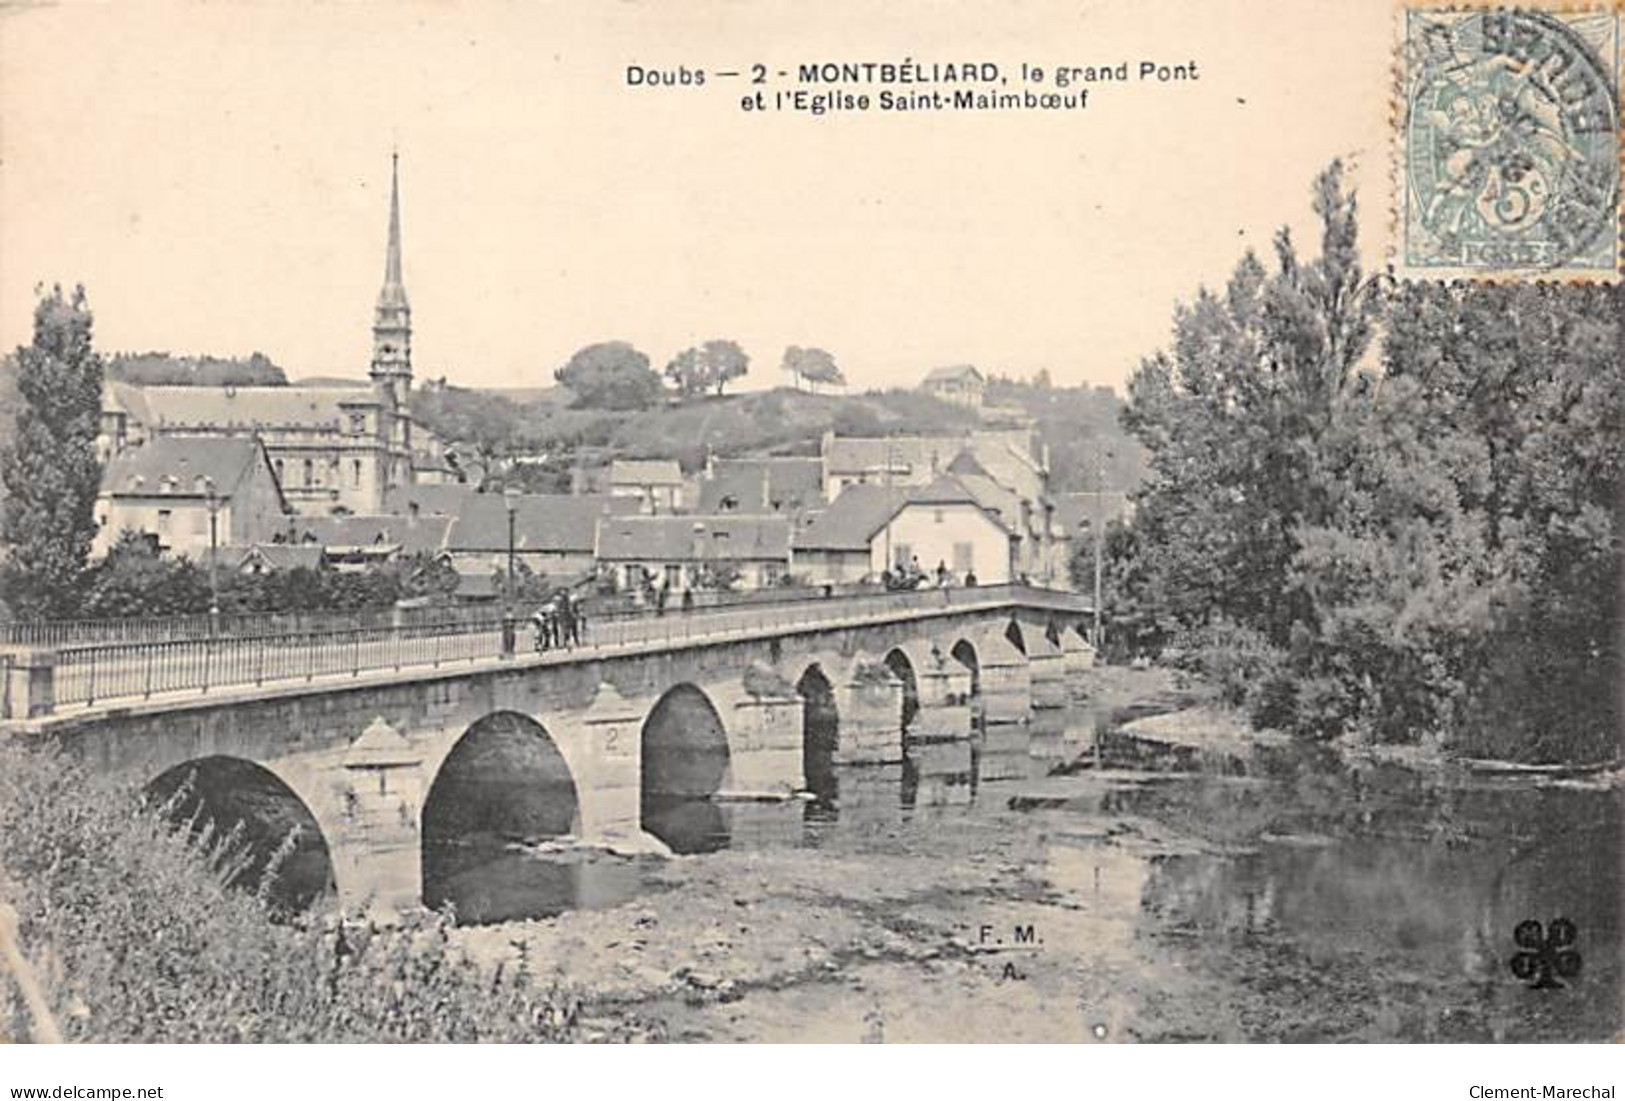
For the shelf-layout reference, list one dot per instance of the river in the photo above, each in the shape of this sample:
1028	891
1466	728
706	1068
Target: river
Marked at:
1286	897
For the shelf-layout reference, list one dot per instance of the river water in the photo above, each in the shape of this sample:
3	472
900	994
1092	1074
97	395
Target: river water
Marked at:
1323	900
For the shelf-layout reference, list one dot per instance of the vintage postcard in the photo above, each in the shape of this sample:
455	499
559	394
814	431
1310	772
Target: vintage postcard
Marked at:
742	522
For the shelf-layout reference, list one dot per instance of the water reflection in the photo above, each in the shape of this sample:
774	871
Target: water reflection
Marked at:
495	881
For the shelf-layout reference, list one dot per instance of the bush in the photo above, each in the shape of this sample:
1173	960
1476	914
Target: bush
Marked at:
136	938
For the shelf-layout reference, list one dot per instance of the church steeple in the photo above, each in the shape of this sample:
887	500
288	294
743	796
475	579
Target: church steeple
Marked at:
392	320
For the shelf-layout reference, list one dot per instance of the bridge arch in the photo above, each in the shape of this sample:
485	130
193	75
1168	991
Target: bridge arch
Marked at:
232	793
504	780
685	758
902	667
821	729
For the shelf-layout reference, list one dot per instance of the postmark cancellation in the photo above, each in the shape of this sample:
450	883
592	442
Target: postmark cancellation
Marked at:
1508	145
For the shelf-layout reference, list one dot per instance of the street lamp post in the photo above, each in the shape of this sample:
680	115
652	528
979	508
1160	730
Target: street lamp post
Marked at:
510	499
213	499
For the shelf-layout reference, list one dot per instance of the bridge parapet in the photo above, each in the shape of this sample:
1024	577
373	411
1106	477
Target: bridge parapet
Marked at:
41	682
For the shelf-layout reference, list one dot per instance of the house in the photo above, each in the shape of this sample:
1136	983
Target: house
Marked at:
694	552
361	542
269	557
789	486
1015	458
657	484
960	385
174	490
869	529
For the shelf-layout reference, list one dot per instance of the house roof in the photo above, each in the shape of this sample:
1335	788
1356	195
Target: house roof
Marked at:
903	455
645	472
962	372
762	485
422	534
173	407
726	538
862	511
183	467
852	519
276	556
432	500
543	522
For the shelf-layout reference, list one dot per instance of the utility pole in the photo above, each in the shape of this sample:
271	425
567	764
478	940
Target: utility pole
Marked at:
1099	534
887	565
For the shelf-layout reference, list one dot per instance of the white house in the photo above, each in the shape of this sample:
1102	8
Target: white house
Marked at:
869	529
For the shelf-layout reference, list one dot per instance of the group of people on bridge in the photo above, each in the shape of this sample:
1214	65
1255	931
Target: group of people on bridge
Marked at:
908	575
561	622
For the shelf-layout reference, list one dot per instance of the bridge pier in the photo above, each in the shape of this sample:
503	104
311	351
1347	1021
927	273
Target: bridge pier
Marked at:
374	841
939	744
1006	683
763	717
607	766
1047	670
869	701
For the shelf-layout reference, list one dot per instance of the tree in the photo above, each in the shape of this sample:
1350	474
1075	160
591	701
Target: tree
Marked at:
50	469
136	580
709	367
814	365
611	375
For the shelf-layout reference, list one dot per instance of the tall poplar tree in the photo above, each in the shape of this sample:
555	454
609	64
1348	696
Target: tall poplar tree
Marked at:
49	467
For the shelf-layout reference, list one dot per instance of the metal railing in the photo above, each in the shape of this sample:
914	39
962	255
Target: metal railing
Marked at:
108	671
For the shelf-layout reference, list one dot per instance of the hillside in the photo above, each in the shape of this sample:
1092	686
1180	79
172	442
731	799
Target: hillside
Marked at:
772	422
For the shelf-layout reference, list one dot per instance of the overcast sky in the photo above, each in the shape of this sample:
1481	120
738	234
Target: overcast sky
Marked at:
218	178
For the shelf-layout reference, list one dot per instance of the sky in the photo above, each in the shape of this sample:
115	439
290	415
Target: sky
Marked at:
217	177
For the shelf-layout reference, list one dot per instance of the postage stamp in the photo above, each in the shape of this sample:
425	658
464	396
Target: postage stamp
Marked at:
1508	145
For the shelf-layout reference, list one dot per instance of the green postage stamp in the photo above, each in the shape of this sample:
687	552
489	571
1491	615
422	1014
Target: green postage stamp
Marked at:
1508	145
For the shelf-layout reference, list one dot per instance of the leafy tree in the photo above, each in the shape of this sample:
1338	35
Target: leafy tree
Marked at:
135	580
611	375
814	366
707	368
50	469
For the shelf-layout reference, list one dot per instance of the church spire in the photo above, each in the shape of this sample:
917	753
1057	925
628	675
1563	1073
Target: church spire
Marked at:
392	320
394	291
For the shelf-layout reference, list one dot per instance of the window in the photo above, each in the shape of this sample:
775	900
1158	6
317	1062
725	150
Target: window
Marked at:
674	576
358	423
355	472
901	554
281	475
164	516
310	473
964	557
937	515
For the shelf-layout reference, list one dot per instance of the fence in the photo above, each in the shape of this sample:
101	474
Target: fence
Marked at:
104	671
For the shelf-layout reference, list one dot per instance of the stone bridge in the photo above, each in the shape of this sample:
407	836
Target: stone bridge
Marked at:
380	766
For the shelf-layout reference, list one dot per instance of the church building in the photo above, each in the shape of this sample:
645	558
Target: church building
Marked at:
336	448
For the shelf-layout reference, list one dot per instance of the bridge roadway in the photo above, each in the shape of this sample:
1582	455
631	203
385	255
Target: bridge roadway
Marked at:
386	744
